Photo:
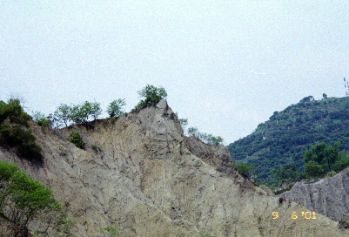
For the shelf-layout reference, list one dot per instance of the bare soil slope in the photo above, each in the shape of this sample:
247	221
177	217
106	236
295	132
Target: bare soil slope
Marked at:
147	179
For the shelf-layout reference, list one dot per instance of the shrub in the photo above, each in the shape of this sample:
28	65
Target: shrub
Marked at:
22	140
23	200
313	169
14	131
41	119
151	95
243	168
76	139
141	105
13	111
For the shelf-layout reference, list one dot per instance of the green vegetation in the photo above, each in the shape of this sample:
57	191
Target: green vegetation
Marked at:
207	235
323	159
285	175
24	200
111	231
13	112
284	138
78	114
115	108
151	95
206	138
82	114
62	115
41	119
87	112
15	133
76	139
243	168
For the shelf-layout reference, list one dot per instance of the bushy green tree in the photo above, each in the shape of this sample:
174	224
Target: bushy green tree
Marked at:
77	140
116	108
95	110
323	154
82	114
76	115
313	169
151	95
23	200
62	115
323	158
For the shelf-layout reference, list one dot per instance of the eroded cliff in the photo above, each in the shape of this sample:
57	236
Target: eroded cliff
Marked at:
147	179
328	196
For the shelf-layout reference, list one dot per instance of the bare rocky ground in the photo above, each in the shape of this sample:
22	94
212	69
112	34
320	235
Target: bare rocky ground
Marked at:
146	178
328	196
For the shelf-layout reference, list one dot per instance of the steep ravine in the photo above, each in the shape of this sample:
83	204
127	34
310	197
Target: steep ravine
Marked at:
148	179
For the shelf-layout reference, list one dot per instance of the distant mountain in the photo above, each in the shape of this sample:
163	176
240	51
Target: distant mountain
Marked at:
283	139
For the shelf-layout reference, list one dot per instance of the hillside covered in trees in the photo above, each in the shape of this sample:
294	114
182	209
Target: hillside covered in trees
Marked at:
280	143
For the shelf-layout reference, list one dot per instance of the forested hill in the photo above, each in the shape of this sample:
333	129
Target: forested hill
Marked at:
283	139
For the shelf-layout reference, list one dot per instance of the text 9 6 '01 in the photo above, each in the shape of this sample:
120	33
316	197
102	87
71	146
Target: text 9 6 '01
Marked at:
306	215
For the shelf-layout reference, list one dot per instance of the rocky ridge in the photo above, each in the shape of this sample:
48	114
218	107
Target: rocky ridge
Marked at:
328	196
147	179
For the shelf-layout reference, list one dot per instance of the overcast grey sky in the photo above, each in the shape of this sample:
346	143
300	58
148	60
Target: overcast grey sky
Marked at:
226	65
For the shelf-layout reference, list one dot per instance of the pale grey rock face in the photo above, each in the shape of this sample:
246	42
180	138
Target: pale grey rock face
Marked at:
328	196
149	180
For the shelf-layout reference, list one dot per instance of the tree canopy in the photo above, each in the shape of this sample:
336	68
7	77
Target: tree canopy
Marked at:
24	200
116	108
324	158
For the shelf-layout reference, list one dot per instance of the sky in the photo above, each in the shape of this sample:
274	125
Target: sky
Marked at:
226	65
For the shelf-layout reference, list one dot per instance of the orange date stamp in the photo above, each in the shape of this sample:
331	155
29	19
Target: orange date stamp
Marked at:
305	215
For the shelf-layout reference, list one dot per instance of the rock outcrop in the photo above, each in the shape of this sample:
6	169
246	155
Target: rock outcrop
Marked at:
140	174
328	196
